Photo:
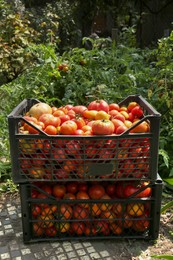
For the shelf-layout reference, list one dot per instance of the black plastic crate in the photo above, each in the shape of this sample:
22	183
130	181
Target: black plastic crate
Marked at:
48	218
50	158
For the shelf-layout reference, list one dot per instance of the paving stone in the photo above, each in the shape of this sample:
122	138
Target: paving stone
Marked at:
5	256
90	249
81	252
95	256
25	251
3	249
15	253
104	253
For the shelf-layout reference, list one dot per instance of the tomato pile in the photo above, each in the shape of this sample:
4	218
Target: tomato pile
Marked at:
90	208
67	152
98	118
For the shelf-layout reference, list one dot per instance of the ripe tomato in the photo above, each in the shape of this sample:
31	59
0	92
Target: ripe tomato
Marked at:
117	208
63	227
90	114
31	129
51	231
116	229
108	215
72	187
114	106
83	195
79	121
69	196
78	228
102	115
103	127
106	205
72	147
79	109
58	113
90	230
102	227
51	130
135	209
47	188
64	118
49	119
66	211
95	209
82	186
37	230
96	191
137	111
80	212
37	172
59	155
46	221
59	190
142	190
99	105
111	189
36	210
68	127
38	109
142	223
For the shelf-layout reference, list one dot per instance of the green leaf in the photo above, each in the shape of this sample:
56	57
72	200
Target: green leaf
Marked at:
167	206
165	156
169	257
169	181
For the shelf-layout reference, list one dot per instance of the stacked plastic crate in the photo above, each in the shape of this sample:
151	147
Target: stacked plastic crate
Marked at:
87	187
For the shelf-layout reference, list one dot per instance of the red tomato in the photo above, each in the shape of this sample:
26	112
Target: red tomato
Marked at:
79	109
47	188
130	189
58	113
137	111
82	186
69	107
79	132
66	211
51	231
59	154
80	212
83	195
111	189
71	113
31	129
72	187
99	105
72	147
64	118
103	127
96	191
49	119
68	127
59	190
36	210
102	227
114	106
51	130
79	121
78	227
60	174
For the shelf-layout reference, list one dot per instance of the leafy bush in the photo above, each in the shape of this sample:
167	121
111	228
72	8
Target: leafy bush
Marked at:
16	36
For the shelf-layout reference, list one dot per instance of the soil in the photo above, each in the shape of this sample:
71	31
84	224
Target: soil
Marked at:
130	249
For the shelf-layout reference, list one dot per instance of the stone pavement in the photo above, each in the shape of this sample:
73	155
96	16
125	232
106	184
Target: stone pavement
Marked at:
12	246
